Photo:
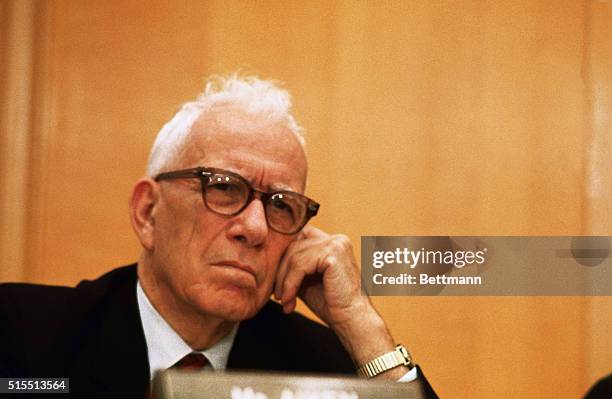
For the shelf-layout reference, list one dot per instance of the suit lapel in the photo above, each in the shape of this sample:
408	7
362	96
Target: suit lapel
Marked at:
259	345
115	354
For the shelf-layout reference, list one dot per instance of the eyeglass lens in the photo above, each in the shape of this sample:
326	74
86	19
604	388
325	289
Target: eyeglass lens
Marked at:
228	194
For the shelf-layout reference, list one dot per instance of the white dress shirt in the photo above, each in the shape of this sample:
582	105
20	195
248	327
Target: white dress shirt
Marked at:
165	347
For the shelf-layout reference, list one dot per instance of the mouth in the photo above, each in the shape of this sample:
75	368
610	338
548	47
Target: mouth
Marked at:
237	265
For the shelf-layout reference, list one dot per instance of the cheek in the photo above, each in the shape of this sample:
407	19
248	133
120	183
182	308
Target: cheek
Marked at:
185	242
194	234
174	224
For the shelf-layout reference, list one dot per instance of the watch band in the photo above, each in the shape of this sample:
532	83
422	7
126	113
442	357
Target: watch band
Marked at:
379	365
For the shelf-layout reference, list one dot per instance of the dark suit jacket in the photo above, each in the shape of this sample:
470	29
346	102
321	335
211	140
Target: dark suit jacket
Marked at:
601	390
93	335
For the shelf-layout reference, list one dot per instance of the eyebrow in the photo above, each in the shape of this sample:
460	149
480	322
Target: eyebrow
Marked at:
274	187
281	187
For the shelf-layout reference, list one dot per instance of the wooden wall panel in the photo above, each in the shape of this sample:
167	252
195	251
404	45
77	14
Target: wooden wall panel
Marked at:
114	73
471	117
16	68
598	65
463	118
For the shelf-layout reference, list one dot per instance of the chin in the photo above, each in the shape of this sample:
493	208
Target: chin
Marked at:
231	304
234	313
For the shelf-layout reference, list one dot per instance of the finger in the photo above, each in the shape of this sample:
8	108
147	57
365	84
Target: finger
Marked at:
282	270
290	306
312	232
304	263
282	266
299	264
294	248
302	241
291	285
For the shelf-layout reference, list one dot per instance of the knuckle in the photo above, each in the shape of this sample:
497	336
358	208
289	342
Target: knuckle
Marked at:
329	261
341	242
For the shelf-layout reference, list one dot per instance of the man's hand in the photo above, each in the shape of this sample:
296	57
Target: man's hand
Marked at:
321	269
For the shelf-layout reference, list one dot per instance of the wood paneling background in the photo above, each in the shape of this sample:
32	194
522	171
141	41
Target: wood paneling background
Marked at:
477	117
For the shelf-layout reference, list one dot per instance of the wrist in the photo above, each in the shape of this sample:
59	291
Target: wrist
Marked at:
365	335
386	363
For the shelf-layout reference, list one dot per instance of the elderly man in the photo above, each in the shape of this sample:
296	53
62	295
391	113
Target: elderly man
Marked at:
221	216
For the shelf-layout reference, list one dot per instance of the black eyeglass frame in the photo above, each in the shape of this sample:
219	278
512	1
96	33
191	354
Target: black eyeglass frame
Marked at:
204	174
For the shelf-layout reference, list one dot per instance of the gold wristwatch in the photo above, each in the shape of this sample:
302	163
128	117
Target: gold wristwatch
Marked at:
398	357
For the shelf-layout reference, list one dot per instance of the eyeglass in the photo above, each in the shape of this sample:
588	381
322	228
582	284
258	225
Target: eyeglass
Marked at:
228	193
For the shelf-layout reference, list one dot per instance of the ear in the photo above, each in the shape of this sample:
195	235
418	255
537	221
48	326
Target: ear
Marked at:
143	201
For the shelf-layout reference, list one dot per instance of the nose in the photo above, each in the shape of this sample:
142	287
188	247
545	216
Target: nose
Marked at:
250	225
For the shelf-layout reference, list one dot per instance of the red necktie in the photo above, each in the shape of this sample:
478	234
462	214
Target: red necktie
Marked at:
192	361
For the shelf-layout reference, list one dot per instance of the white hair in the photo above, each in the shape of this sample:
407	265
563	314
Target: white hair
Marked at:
249	93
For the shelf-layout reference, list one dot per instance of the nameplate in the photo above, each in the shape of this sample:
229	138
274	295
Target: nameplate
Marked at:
174	384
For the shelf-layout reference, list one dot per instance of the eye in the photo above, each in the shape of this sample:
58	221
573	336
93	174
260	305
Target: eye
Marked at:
224	184
224	193
281	205
284	207
285	211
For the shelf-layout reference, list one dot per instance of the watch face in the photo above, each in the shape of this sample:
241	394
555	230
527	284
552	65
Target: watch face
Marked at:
404	353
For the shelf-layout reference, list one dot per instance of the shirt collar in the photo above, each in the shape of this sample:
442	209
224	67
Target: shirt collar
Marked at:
165	347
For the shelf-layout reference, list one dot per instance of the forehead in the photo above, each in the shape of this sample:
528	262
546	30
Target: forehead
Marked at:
265	152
